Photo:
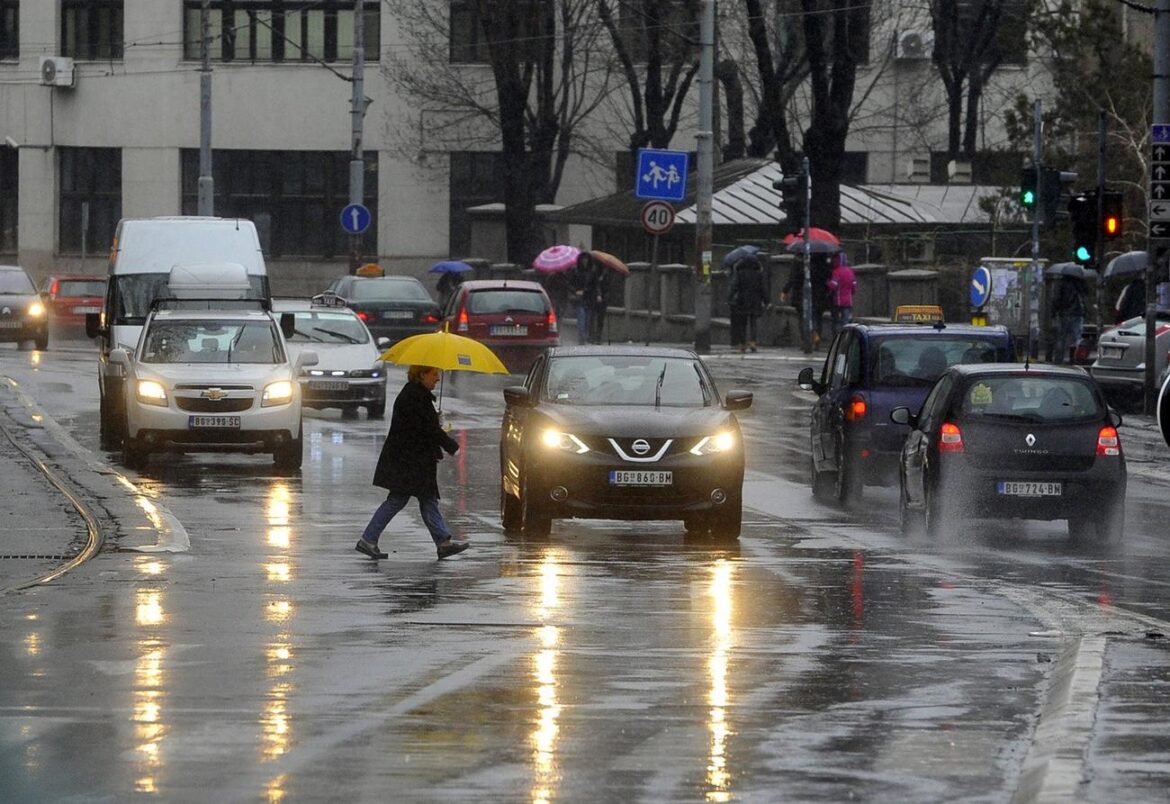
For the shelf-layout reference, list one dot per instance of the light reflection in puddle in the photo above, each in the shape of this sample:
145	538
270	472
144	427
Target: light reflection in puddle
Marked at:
546	730
147	714
718	775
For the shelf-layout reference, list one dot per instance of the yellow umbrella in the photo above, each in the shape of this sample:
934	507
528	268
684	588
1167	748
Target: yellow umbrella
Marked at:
445	351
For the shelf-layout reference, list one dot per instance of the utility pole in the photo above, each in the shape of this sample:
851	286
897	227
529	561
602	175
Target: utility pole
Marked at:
705	145
806	315
206	182
1033	312
357	162
1099	250
1161	117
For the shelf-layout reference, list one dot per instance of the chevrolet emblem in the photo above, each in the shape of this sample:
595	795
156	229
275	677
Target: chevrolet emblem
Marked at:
214	394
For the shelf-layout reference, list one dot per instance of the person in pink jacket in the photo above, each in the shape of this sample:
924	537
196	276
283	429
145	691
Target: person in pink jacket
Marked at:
841	285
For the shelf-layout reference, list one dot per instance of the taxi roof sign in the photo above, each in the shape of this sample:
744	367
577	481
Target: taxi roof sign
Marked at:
328	299
918	314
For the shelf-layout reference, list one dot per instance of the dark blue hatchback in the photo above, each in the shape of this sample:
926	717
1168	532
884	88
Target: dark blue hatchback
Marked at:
871	369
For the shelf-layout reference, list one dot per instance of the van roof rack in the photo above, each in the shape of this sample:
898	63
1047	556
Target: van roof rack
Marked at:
166	303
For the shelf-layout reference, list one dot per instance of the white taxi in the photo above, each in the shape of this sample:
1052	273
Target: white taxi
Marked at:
217	380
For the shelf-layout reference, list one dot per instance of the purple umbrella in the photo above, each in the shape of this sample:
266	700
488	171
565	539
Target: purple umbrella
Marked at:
450	267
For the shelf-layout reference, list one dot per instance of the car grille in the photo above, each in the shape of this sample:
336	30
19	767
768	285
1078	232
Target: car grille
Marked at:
198	404
601	444
205	387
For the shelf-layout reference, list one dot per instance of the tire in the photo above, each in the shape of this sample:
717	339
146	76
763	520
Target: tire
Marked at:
42	341
820	482
695	524
376	410
535	522
112	428
349	412
913	522
1110	522
134	455
934	517
291	456
509	512
848	483
726	521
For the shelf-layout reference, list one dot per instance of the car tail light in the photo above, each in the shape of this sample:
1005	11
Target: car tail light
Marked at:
430	318
463	320
855	409
54	288
950	438
552	321
1108	442
363	315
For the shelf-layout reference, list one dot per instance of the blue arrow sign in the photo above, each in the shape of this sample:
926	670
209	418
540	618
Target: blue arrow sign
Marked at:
355	218
1160	133
980	287
662	175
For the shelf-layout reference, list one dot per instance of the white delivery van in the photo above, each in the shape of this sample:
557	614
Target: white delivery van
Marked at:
142	257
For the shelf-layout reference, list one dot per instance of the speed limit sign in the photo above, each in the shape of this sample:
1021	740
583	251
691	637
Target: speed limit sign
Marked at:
657	217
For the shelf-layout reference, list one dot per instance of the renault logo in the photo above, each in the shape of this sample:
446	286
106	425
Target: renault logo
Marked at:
215	394
1030	440
641	446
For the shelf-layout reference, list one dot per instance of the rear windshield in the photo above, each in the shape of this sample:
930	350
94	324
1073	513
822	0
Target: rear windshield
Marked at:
81	287
207	341
15	282
914	361
328	327
389	290
487	302
1032	399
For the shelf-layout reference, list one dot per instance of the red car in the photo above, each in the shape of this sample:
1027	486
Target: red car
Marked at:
514	318
70	297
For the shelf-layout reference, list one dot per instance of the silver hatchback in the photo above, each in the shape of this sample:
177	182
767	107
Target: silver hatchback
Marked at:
1121	357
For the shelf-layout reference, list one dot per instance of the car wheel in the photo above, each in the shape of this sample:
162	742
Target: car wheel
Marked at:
376	410
134	454
42	340
1109	523
535	521
913	522
509	512
1080	530
695	524
934	515
848	488
349	412
111	428
291	456
727	520
820	482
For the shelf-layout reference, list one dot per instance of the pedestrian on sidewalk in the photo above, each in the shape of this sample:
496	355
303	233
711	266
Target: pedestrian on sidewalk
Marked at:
747	299
409	462
583	283
842	282
1068	311
599	301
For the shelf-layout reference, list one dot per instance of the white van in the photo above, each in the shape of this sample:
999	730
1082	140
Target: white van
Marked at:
143	254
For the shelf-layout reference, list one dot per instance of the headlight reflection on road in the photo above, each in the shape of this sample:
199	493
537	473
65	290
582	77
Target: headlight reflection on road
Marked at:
718	776
149	726
544	734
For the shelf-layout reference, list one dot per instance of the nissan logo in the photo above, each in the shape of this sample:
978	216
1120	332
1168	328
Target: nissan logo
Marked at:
1030	440
641	446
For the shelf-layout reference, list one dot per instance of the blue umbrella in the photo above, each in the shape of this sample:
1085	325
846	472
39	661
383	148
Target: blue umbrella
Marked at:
737	254
450	267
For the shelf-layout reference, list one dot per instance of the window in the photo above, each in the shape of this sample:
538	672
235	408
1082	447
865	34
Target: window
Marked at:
9	29
475	179
91	198
91	29
280	30
9	197
294	197
468	41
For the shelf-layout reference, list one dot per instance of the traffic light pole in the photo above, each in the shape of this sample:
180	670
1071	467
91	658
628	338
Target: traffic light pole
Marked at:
1161	116
806	302
706	158
1033	313
1099	246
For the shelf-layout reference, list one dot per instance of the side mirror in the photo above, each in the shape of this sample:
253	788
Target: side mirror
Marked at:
517	395
806	379
737	400
93	325
903	415
288	324
305	359
120	357
383	342
1114	418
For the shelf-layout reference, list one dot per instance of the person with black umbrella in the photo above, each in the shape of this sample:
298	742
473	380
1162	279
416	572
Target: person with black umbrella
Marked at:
1068	311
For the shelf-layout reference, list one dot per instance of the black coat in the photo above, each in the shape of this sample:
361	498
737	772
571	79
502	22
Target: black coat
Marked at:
410	456
748	295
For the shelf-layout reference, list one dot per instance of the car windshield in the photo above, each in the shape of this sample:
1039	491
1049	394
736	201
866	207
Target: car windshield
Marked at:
919	361
1030	398
488	302
211	341
627	380
15	283
389	290
328	327
81	287
133	294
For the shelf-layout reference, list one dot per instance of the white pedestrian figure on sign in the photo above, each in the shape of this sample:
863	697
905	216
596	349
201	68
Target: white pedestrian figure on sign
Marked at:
671	177
656	174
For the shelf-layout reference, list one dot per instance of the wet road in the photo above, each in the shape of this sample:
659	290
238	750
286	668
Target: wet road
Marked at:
822	658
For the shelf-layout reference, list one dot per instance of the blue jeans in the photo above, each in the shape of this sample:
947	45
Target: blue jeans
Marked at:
428	506
841	317
582	323
1068	335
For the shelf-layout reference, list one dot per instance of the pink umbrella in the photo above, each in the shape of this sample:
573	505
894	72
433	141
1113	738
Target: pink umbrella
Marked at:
556	258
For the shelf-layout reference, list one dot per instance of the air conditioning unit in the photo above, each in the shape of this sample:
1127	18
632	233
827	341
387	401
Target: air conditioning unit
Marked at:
918	169
914	45
959	171
57	71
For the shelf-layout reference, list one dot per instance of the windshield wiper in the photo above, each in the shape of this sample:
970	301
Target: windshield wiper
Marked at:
304	334
337	334
234	342
658	387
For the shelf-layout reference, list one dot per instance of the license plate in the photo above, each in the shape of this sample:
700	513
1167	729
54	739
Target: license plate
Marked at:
1028	488
213	422
85	310
326	385
9	325
515	330
1112	352
640	477
398	314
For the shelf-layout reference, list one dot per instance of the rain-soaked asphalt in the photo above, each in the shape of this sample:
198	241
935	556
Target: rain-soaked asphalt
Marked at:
823	658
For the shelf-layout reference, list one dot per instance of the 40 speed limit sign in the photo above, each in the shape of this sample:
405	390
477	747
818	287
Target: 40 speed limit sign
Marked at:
657	217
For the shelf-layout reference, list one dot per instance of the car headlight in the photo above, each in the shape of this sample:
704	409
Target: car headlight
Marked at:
555	439
36	310
150	392
711	445
277	393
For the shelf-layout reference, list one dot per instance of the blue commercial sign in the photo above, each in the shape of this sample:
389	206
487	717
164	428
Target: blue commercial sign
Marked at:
980	287
662	175
355	218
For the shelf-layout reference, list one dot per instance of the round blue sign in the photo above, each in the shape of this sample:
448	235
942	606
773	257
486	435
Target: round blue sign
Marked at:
355	218
980	287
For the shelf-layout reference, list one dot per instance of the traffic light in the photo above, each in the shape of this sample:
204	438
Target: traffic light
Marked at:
1082	212
1112	214
794	190
1028	188
1055	188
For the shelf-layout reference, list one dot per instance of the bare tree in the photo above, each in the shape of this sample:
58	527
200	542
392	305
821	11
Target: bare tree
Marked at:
781	69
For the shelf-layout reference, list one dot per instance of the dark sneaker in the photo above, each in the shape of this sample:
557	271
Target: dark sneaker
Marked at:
452	548
369	549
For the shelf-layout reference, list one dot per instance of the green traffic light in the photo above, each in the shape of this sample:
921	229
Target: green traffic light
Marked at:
1028	198
1083	254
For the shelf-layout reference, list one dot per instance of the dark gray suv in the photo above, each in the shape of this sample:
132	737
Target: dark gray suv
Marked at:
22	311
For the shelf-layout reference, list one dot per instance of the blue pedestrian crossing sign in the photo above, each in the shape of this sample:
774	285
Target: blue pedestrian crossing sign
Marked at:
662	175
980	287
355	218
